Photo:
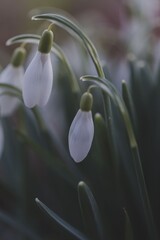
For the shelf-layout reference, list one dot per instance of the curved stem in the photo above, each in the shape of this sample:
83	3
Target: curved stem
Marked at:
69	25
34	39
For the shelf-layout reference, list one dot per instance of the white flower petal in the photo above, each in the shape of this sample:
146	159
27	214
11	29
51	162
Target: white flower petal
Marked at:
38	79
46	80
13	76
81	135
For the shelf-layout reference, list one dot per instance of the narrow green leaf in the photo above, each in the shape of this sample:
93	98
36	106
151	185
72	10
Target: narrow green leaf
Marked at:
106	86
10	87
90	212
101	135
19	227
12	94
128	102
72	230
58	166
111	138
128	227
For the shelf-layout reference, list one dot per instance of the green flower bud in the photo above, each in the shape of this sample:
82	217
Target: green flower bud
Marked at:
86	102
46	42
18	56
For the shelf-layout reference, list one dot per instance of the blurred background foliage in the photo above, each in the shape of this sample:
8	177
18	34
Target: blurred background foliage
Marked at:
35	161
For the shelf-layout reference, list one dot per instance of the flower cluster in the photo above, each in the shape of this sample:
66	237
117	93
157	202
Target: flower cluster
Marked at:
36	85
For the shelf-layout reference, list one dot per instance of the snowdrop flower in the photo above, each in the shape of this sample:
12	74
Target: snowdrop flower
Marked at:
82	129
38	78
13	74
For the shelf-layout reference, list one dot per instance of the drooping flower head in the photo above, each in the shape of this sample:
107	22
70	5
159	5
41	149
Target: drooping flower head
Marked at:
13	75
82	129
38	78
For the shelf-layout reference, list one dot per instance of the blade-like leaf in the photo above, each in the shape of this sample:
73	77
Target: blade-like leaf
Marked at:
90	212
72	230
107	87
58	166
10	87
13	223
128	102
128	228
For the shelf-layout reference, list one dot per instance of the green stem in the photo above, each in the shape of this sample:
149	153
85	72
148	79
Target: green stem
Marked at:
34	39
72	78
39	119
67	24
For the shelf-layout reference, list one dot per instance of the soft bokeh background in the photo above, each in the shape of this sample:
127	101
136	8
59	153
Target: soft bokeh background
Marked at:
116	27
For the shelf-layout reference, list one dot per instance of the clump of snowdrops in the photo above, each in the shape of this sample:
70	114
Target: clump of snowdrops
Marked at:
100	178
